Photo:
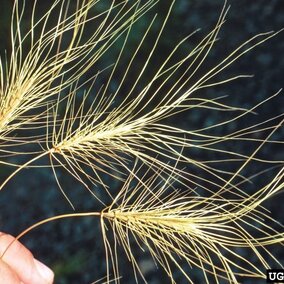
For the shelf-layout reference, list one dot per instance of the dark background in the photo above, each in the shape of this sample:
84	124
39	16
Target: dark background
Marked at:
73	248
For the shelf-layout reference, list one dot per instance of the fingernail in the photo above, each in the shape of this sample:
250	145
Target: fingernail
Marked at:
46	273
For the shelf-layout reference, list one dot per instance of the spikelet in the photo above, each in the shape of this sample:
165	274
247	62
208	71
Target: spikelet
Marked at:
31	80
186	230
110	133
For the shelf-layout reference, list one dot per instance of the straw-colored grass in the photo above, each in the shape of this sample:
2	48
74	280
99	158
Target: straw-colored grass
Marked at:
102	133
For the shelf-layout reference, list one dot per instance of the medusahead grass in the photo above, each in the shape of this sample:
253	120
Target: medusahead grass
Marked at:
40	90
183	229
30	80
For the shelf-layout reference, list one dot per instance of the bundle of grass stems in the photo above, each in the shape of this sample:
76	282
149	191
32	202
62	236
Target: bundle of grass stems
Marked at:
187	212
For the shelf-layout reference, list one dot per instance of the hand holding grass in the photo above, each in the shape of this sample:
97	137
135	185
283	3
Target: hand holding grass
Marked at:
182	192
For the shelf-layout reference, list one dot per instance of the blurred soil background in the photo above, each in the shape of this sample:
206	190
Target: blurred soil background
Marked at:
73	248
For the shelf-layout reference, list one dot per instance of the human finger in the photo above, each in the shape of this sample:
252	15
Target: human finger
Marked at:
20	259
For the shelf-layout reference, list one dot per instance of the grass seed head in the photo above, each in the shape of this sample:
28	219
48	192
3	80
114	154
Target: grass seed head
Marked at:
124	133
